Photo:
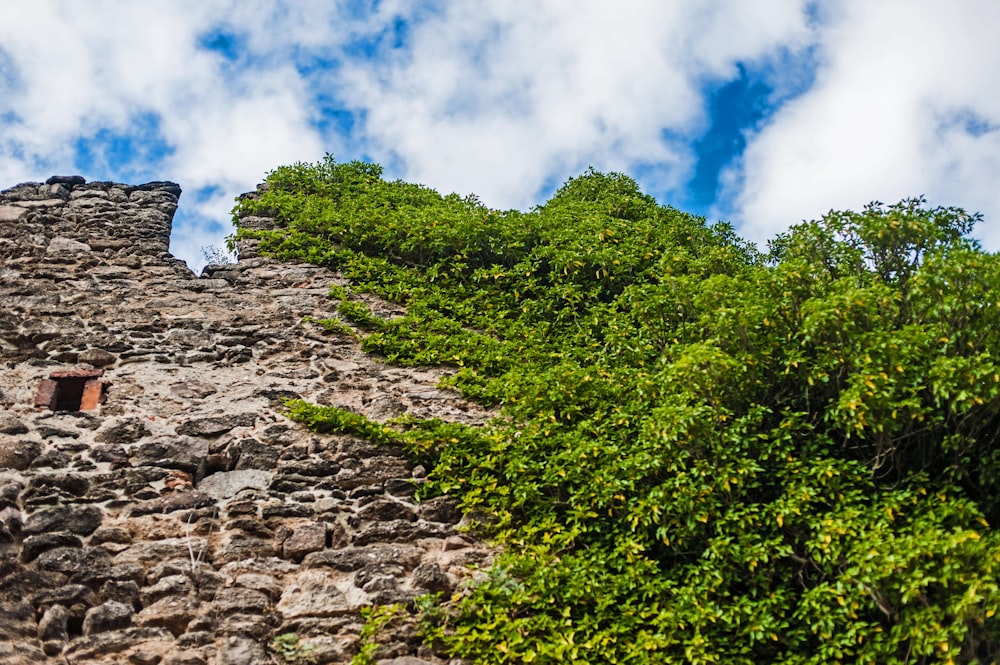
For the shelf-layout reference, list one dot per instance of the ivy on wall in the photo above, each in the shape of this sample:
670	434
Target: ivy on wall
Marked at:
705	453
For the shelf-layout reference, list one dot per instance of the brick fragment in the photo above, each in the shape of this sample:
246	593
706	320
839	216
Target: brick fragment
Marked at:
92	392
77	374
47	395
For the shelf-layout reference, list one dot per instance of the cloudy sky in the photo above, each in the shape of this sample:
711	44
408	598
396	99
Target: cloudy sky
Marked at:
760	113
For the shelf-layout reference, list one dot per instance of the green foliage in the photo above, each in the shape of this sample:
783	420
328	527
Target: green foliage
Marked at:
703	454
376	617
334	325
334	420
289	649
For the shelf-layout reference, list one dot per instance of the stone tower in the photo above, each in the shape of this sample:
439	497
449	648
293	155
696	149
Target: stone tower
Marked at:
156	506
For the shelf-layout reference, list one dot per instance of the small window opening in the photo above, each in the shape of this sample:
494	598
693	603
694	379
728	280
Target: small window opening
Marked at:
73	390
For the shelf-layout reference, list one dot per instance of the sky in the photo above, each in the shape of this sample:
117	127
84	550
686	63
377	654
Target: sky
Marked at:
761	114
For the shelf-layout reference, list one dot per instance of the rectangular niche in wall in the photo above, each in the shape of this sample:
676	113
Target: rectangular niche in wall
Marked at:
71	390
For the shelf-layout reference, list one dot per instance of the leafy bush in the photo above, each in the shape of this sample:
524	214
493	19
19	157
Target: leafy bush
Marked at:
705	454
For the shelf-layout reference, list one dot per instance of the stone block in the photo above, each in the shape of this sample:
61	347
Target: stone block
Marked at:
66	246
52	625
214	426
71	180
11	213
356	558
18	454
11	425
312	593
226	484
171	613
305	539
107	616
97	357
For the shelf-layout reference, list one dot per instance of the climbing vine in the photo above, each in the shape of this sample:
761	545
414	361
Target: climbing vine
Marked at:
704	453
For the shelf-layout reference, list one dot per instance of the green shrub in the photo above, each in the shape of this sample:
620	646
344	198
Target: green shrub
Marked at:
703	454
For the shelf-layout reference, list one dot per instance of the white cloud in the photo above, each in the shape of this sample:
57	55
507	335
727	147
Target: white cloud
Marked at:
496	98
888	117
503	99
487	97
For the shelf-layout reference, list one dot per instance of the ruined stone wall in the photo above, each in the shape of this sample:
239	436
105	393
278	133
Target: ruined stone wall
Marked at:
178	516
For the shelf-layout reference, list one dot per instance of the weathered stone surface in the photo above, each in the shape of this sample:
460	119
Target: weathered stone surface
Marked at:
432	578
286	509
211	427
67	596
117	572
97	358
242	651
456	542
17	621
17	453
52	625
72	561
125	592
82	520
172	491
111	534
172	613
91	648
239	547
128	430
12	213
355	558
191	657
43	542
240	600
312	593
20	654
60	245
165	587
11	425
386	509
202	574
173	502
66	180
266	584
379	578
146	553
397	531
19	583
182	453
440	509
252	454
230	483
59	484
304	539
192	389
107	616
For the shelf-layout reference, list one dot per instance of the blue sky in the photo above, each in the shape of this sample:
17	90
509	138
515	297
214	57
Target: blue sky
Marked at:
762	114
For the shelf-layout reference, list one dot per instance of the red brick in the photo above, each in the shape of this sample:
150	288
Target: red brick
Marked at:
77	374
47	395
92	391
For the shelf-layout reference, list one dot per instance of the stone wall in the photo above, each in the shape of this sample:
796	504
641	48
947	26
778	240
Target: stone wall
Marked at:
178	516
